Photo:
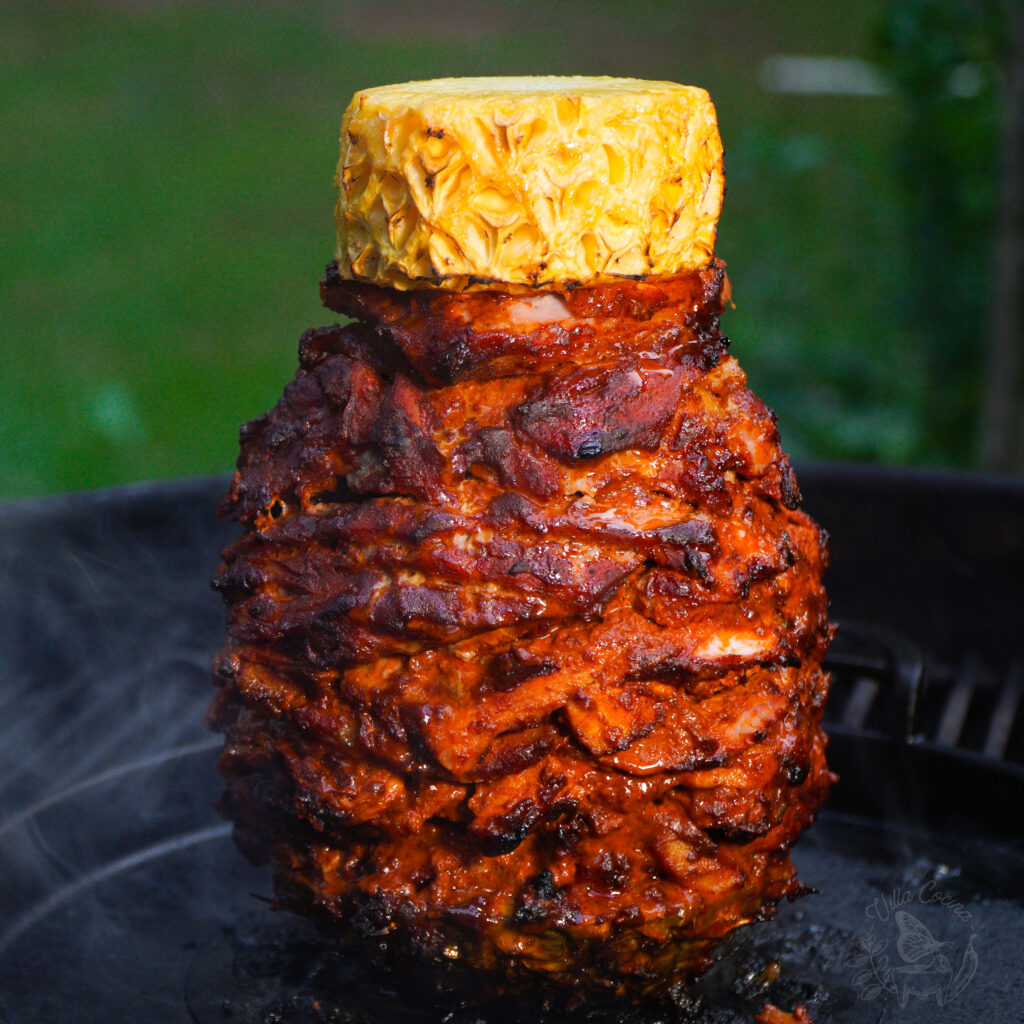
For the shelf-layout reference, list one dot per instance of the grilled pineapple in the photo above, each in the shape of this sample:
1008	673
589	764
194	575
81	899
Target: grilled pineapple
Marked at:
526	182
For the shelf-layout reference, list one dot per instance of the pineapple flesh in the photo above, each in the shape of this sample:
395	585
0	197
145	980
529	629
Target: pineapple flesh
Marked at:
512	183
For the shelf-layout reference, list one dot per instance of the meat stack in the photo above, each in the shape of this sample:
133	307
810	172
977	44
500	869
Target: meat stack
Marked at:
526	630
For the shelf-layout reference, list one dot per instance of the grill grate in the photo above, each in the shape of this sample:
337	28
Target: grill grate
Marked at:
883	684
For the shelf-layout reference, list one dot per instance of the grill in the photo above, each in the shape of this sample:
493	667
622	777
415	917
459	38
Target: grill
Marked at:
125	900
885	685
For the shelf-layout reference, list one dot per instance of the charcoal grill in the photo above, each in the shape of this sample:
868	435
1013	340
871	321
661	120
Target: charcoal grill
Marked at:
123	898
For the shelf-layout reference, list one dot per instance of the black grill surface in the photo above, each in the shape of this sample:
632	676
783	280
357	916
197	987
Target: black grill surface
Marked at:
123	898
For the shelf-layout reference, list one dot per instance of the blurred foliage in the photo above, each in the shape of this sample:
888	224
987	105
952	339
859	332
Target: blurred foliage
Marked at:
945	59
167	211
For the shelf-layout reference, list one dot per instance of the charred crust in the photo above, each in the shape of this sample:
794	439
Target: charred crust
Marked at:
543	885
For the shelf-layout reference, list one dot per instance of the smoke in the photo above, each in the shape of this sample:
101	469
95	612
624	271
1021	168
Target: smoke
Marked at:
112	857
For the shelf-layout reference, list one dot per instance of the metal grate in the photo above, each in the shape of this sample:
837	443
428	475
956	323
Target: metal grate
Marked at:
884	684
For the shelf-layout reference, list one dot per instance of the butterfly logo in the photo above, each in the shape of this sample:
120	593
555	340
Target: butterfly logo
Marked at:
915	942
927	970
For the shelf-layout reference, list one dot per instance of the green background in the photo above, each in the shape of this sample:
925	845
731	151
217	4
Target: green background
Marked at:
167	212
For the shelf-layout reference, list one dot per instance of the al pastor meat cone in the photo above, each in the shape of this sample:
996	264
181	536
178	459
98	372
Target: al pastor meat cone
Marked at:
525	631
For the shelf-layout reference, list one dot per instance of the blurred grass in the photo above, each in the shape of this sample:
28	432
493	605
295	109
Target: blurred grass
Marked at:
167	208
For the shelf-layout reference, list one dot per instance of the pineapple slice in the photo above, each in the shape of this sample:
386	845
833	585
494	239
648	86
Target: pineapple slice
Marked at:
513	183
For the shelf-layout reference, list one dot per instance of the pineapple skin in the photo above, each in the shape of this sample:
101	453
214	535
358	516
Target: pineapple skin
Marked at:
524	183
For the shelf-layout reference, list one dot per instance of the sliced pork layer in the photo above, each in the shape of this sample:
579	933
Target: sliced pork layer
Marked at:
525	633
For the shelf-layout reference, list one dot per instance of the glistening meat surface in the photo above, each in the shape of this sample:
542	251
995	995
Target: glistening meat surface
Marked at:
525	633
